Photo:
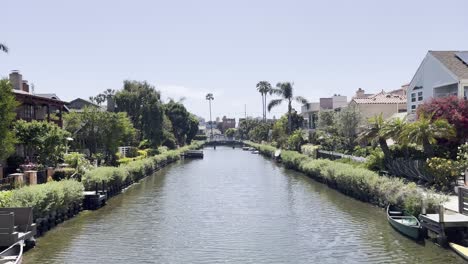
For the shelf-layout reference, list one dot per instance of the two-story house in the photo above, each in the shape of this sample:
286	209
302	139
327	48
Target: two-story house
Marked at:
441	73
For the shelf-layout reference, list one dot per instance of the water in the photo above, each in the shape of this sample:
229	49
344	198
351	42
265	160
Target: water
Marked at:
232	207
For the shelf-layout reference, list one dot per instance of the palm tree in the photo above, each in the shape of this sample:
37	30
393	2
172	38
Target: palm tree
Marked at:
210	97
285	91
426	131
374	134
264	87
3	48
393	129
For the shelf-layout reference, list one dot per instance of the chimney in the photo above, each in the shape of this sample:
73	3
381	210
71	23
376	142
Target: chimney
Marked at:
360	93
16	80
25	86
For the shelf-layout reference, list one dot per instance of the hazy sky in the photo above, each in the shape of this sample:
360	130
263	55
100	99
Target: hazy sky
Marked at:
190	48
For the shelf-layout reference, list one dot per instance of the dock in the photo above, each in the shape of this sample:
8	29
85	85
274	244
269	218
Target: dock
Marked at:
193	154
16	224
94	200
448	224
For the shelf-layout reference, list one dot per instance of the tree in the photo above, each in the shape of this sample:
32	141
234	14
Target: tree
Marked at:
210	98
280	128
296	140
100	131
348	121
260	132
264	88
285	91
3	48
426	131
8	106
393	129
46	140
179	117
452	109
143	105
230	132
193	128
374	134
327	121
245	126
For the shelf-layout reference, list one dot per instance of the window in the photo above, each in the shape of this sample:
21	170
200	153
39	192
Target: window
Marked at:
28	112
413	107
420	96
465	92
413	97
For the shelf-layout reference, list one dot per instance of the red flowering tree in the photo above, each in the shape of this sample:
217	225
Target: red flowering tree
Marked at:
451	108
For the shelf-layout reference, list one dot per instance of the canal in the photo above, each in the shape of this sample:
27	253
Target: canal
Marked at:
232	207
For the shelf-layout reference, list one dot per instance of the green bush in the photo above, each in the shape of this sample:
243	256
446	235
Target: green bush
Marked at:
375	161
47	198
78	161
360	183
5	198
132	169
310	150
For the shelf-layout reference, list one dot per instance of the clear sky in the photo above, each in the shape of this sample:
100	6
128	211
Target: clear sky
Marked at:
190	48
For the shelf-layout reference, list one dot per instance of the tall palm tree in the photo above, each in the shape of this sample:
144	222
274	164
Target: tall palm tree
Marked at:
3	48
393	129
264	88
285	91
374	134
210	97
426	131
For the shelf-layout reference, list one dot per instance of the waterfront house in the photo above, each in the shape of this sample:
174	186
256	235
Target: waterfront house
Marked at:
41	107
441	73
310	111
227	123
385	103
79	104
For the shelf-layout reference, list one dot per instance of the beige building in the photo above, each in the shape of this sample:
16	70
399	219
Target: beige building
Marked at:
383	103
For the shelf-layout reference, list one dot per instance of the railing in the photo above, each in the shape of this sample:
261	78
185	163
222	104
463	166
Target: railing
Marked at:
463	200
336	155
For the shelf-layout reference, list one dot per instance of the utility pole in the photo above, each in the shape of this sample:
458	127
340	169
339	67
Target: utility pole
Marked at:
245	111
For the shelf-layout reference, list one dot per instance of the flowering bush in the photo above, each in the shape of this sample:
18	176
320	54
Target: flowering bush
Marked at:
445	171
310	150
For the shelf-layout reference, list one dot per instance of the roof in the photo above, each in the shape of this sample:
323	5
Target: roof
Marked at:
49	95
381	98
37	96
84	101
452	62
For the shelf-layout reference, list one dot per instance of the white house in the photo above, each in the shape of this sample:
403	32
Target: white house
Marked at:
441	73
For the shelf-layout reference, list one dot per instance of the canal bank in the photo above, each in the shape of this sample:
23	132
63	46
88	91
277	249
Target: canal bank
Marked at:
360	183
231	207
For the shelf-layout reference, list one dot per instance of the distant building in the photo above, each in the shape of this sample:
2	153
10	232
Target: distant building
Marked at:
226	124
41	107
441	73
310	111
383	103
79	104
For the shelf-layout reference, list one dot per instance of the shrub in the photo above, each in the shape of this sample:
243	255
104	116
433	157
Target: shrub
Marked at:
132	152
310	150
5	198
47	198
360	183
132	169
445	172
78	161
64	173
375	161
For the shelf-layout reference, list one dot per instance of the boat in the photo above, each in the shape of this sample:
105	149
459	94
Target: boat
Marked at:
13	254
255	152
245	148
406	224
277	155
461	250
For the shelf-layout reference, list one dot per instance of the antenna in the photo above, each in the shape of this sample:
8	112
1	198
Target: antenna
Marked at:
245	111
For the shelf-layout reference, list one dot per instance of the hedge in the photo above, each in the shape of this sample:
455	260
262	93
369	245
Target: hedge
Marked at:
359	183
134	170
44	198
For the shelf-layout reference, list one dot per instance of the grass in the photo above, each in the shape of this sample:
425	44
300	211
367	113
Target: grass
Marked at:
357	182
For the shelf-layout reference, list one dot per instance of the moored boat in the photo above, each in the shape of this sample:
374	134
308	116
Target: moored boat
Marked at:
406	224
461	250
245	148
13	254
255	152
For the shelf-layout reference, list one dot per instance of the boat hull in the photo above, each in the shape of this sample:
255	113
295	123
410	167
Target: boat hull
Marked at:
405	224
460	250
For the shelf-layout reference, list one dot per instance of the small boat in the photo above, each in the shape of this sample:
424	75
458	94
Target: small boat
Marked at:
245	148
255	152
461	250
277	155
406	224
13	254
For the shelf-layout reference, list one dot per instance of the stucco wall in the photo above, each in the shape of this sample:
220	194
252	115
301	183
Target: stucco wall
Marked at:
371	110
